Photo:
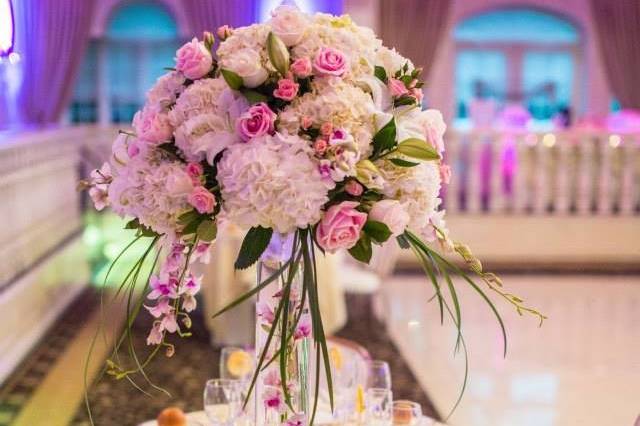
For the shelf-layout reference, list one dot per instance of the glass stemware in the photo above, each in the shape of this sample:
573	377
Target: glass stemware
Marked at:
222	401
378	403
407	413
236	363
379	375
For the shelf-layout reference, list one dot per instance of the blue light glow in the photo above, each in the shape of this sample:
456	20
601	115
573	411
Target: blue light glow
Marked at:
7	28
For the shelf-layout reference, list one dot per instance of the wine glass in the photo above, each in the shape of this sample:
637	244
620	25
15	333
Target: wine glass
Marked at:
222	401
236	363
379	375
407	413
378	403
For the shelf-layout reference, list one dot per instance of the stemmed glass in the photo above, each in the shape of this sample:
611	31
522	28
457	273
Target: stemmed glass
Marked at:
379	375
379	407
222	401
407	413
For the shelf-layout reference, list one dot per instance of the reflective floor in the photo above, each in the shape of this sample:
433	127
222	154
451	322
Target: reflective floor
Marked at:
581	368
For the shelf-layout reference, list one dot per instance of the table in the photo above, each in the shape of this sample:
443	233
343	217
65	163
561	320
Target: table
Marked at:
199	418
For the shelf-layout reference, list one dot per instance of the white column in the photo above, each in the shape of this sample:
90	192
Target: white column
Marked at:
474	184
104	97
628	188
496	178
541	176
562	165
585	177
604	198
521	194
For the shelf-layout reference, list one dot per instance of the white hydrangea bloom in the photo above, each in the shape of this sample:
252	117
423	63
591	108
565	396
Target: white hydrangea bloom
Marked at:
166	89
417	188
272	182
201	97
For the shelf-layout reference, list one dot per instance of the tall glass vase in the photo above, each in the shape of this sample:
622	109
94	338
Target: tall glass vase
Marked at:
274	406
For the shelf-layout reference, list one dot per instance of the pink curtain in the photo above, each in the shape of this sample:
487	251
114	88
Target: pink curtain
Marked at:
618	30
208	15
415	28
54	37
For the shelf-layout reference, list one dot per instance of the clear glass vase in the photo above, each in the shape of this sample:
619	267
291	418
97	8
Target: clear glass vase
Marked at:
271	407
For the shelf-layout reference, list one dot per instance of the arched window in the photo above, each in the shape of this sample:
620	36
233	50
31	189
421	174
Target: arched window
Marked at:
517	55
140	40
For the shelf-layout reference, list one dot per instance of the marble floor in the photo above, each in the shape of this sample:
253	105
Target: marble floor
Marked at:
581	368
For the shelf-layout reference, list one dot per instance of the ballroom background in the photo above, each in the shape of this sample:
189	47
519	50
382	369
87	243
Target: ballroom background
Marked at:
543	107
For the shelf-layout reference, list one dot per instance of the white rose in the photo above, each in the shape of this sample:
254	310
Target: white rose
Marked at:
392	214
246	63
289	23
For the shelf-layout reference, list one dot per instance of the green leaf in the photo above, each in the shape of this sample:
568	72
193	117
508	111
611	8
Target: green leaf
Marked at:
207	230
402	163
402	242
417	148
404	100
233	80
380	73
278	53
132	224
254	244
254	97
188	217
378	231
385	138
362	251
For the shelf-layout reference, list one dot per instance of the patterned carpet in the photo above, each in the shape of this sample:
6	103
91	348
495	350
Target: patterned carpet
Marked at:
117	402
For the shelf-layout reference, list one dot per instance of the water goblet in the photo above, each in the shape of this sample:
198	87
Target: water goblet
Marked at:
379	375
222	401
378	402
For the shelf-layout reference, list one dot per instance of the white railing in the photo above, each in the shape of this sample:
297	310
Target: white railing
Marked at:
557	173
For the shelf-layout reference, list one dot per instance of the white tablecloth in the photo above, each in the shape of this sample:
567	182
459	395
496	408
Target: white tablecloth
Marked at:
199	418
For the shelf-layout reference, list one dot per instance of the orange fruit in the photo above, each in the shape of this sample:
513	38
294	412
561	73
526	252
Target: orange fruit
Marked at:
172	416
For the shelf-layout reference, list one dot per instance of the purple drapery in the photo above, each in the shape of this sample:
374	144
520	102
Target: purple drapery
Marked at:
54	37
414	28
208	15
618	28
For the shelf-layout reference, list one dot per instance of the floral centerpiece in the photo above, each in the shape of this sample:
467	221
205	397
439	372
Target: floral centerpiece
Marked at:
304	129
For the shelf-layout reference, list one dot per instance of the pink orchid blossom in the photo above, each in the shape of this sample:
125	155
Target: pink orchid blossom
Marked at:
303	329
162	288
191	285
264	311
155	335
189	302
161	308
169	323
273	399
297	420
201	253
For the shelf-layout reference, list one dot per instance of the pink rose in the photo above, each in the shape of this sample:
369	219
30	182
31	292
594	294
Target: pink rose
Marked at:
392	214
301	67
202	200
287	89
195	170
330	61
397	87
258	120
340	227
152	125
320	146
445	173
326	128
194	60
354	188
